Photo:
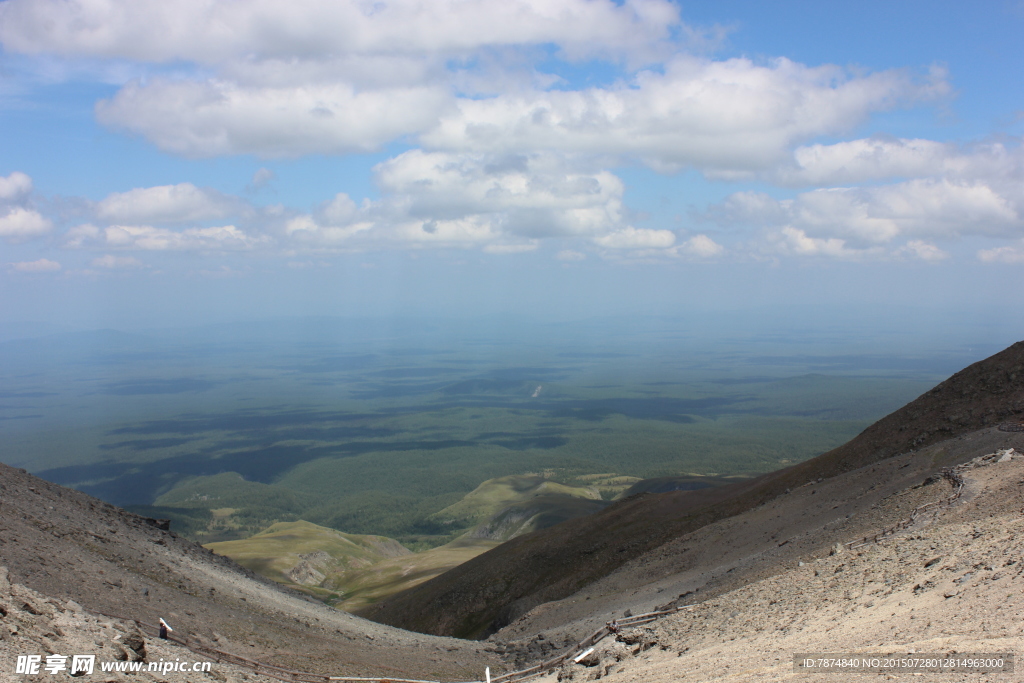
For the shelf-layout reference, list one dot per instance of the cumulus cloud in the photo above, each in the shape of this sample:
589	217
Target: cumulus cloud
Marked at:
720	116
700	246
790	240
261	178
857	161
637	238
18	221
512	248
179	203
40	266
922	250
728	116
112	262
920	208
1011	254
322	76
216	117
21	224
502	202
219	31
510	155
15	186
149	238
533	195
317	76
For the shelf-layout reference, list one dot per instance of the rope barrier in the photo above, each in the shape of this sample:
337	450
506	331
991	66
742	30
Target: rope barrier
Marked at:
294	676
955	476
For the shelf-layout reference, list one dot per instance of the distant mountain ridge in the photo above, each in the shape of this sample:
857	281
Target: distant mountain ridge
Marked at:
494	589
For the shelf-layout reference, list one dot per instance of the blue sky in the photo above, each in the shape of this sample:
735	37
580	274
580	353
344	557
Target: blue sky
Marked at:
163	163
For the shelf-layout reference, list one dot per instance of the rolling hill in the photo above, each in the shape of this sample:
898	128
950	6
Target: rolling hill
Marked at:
353	572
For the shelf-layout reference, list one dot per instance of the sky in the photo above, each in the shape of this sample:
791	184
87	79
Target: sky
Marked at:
164	163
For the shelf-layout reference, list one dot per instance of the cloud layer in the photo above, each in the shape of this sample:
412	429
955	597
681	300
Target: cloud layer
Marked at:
214	33
19	221
505	151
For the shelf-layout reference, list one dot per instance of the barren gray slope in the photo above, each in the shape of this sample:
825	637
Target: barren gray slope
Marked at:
759	543
951	583
35	624
68	545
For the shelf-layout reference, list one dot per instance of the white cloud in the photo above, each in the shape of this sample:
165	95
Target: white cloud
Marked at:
15	186
41	266
700	246
339	210
81	236
337	77
179	203
112	262
922	250
21	224
720	116
215	117
920	208
149	238
637	238
261	178
466	231
215	32
500	203
511	248
792	240
533	195
857	161
1005	254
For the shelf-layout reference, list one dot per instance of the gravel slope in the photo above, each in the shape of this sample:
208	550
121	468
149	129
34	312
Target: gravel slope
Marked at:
953	582
70	546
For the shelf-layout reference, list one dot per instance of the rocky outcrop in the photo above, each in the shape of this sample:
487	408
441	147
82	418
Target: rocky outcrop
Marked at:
55	631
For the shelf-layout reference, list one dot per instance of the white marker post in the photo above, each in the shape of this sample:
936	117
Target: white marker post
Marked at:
580	656
487	673
165	628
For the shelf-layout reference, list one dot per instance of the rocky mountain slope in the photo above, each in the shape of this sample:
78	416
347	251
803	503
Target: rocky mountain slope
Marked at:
762	542
496	588
34	624
951	583
69	546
